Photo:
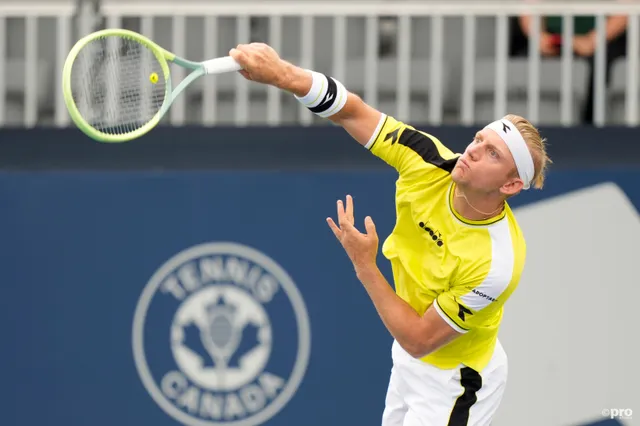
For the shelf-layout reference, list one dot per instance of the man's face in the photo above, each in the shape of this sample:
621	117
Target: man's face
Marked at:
486	165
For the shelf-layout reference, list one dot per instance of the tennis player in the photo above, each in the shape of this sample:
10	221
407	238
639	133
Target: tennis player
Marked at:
456	251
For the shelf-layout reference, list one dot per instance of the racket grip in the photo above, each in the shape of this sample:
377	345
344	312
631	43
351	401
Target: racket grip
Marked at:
221	65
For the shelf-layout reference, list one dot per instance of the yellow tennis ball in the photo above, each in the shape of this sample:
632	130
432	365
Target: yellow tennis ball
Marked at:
153	77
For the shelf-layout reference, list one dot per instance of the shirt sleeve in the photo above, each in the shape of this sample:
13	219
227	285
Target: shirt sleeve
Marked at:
476	303
407	149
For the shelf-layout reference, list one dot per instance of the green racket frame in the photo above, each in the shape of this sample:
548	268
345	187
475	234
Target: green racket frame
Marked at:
162	55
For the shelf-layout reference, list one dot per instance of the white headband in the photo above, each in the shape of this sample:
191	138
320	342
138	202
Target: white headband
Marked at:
518	147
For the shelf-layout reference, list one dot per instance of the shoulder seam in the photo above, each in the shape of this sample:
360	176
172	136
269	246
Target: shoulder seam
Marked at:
376	134
425	146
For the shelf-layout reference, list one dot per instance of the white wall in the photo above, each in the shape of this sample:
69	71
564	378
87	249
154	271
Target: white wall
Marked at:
571	328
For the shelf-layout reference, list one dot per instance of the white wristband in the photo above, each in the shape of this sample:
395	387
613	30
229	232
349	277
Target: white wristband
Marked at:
318	88
326	97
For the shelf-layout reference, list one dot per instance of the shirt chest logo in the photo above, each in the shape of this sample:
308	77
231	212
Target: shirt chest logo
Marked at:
436	236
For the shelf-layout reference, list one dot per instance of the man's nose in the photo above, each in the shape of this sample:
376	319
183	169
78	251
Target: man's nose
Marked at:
473	152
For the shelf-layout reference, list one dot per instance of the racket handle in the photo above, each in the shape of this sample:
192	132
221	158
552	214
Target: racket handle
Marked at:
221	65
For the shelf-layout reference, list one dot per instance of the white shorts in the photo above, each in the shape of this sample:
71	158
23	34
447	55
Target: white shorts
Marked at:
420	394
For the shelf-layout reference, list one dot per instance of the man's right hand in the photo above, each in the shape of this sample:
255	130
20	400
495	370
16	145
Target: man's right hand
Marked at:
262	64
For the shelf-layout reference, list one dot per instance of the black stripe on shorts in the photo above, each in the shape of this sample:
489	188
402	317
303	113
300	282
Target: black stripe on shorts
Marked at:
471	382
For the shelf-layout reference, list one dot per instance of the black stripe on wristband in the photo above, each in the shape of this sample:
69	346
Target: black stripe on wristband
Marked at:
329	97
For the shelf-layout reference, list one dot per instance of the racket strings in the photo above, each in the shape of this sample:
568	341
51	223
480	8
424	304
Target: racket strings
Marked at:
113	87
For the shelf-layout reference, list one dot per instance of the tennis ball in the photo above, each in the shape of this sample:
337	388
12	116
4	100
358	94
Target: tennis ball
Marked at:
153	77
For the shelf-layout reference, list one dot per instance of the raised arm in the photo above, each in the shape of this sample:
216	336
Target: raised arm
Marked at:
262	64
359	119
409	151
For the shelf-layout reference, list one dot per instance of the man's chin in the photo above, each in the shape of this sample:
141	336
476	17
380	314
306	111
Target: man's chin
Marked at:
457	175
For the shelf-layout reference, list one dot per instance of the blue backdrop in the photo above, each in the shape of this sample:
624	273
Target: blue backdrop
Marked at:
79	247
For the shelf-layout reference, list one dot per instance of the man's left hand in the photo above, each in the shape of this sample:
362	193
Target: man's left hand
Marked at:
361	248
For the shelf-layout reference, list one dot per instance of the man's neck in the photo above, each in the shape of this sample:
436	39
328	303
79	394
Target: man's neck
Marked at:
475	206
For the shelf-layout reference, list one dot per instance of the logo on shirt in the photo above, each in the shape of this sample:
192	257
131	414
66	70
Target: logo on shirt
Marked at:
435	235
221	336
393	136
485	296
462	310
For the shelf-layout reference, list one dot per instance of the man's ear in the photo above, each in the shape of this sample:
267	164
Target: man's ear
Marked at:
512	187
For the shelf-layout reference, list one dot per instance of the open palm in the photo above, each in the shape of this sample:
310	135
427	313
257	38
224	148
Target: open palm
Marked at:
361	248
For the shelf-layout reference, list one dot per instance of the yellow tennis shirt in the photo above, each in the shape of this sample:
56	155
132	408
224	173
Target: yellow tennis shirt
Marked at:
466	269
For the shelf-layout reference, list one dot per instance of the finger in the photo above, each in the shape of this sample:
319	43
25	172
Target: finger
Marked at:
346	224
245	74
349	211
334	228
370	226
247	52
251	47
242	47
340	210
239	56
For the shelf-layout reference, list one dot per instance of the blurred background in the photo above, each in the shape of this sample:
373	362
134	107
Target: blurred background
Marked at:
120	261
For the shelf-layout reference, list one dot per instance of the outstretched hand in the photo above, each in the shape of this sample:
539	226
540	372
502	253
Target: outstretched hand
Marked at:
361	248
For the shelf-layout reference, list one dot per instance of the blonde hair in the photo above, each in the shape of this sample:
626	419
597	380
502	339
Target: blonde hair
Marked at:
537	147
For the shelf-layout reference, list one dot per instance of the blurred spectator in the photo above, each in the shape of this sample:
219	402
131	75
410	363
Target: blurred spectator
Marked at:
584	44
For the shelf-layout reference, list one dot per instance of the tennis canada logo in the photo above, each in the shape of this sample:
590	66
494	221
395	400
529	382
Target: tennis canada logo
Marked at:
221	336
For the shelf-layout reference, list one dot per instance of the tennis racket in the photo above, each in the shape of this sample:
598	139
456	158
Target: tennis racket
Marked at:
117	83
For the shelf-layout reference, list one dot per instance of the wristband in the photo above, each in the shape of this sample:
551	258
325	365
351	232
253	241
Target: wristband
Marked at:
326	97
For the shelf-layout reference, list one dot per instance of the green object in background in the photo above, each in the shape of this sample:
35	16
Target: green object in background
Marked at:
581	24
